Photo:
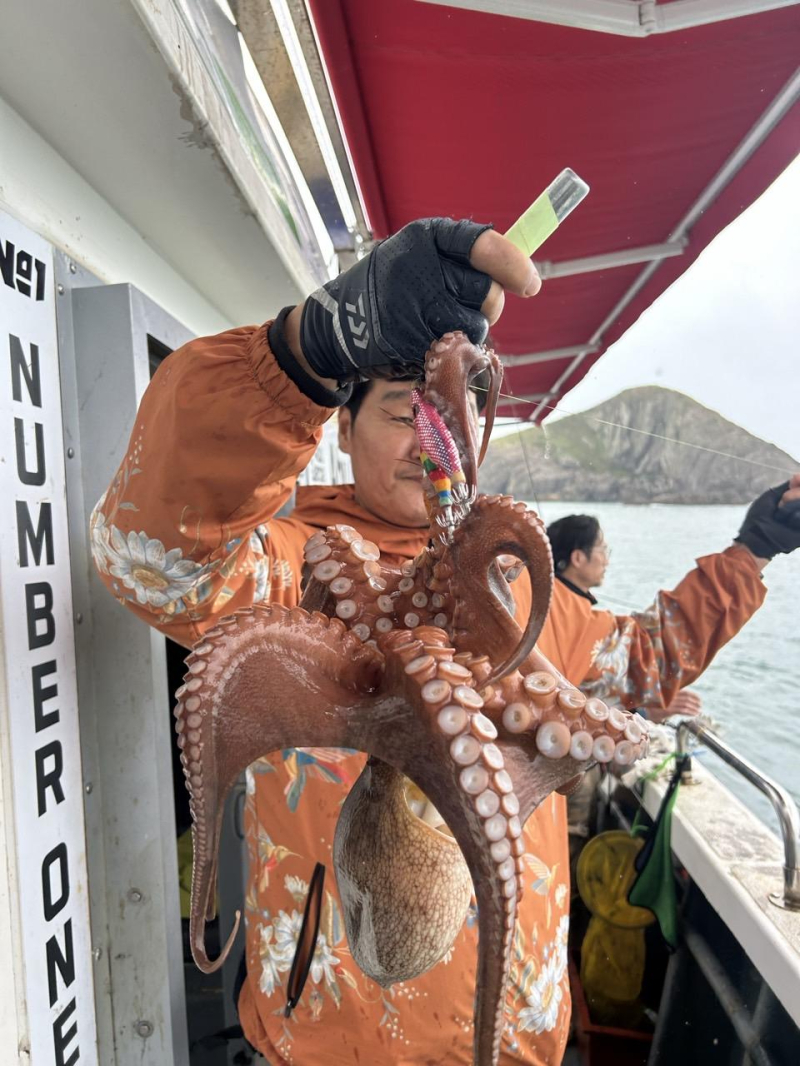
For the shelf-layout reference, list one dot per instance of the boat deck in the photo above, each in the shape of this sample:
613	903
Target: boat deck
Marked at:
737	862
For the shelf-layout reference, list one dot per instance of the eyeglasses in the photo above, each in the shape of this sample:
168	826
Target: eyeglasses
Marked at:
603	549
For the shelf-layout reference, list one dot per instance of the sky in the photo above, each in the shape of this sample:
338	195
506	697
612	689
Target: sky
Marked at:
727	332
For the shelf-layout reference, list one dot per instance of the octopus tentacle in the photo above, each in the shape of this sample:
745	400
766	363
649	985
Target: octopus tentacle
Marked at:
495	381
496	525
349	581
552	733
450	365
463	775
491	757
226	718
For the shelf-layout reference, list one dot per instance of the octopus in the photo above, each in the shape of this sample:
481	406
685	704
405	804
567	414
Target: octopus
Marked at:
424	668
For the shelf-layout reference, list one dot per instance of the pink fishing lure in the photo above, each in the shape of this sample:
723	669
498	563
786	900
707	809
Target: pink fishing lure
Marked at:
435	438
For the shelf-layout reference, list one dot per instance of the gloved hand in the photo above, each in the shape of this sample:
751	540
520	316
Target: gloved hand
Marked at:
378	318
769	529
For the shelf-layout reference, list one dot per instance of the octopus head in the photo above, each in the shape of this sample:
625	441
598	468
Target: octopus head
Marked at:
446	423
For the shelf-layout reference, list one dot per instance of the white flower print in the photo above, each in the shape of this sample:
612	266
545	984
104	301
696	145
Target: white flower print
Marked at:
561	946
323	962
541	1014
561	895
261	573
282	573
287	932
99	534
261	565
256	545
562	933
274	961
296	886
155	575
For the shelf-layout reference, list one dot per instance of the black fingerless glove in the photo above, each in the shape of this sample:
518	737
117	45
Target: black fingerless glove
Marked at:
379	317
769	530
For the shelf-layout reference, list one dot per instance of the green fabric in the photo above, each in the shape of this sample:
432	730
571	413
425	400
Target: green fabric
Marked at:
654	888
185	854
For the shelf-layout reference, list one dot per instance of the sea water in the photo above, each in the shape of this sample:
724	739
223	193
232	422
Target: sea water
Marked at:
752	689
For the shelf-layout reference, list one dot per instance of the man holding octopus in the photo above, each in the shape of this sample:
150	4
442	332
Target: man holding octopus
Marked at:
224	429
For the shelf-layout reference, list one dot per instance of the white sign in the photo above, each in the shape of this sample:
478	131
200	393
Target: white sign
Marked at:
37	654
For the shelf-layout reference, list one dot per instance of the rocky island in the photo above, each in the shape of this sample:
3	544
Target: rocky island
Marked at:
589	457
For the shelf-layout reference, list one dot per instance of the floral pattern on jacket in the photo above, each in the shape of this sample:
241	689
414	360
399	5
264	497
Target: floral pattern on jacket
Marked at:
297	780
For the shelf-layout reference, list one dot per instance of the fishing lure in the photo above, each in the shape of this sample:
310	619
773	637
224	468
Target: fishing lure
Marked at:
438	452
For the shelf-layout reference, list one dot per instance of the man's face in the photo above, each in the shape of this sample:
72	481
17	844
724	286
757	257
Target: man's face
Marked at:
591	567
384	451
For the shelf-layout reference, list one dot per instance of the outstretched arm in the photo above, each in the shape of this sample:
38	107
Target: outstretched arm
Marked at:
647	657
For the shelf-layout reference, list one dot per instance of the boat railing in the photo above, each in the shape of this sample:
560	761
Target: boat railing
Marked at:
785	807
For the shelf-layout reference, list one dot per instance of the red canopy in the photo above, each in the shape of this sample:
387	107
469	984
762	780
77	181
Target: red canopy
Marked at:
451	112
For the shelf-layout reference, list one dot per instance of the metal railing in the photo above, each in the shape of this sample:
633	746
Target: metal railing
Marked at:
784	805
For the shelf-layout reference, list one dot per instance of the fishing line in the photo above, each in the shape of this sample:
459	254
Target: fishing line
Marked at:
644	432
528	467
530	474
620	603
616	425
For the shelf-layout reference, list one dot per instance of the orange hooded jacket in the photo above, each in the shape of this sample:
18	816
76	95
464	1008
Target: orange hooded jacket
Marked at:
186	534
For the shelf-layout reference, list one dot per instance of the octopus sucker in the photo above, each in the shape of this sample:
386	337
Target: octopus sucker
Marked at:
255	721
423	667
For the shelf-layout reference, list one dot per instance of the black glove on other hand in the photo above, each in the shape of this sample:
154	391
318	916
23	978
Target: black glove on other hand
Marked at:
769	530
379	318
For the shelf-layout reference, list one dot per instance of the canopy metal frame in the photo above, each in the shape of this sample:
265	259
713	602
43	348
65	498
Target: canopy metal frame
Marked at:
781	104
609	260
626	18
283	44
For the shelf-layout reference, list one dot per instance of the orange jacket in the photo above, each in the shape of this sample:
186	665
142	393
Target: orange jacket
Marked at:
186	534
644	659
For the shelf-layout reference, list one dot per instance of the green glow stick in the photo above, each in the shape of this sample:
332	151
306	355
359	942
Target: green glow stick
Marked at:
548	211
